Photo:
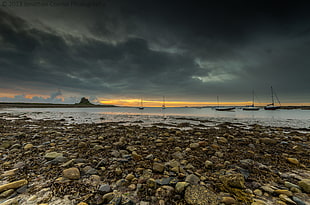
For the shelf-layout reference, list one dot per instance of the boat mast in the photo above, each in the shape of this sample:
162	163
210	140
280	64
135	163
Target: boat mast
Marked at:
272	96
252	98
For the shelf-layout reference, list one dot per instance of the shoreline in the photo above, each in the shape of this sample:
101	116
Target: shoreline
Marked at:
58	163
49	105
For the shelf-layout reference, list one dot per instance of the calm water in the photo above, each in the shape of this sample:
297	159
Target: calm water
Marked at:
172	116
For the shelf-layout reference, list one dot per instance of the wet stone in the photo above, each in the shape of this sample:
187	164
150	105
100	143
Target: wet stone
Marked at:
13	185
293	161
22	189
58	160
164	191
7	193
298	201
71	173
286	199
192	179
105	188
194	145
180	186
164	181
130	177
233	180
52	155
283	191
108	197
28	146
228	200
291	185
208	164
158	167
149	157
305	185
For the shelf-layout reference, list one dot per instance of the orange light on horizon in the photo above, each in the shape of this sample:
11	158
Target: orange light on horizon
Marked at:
157	103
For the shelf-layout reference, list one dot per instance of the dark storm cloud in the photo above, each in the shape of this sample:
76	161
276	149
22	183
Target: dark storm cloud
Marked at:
90	65
198	49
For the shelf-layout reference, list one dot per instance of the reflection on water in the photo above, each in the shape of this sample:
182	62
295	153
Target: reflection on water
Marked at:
148	116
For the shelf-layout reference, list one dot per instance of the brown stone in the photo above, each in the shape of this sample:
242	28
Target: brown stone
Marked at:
228	200
13	185
157	167
71	173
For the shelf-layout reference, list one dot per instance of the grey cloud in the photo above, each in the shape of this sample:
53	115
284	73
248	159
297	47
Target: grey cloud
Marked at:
39	99
92	64
151	48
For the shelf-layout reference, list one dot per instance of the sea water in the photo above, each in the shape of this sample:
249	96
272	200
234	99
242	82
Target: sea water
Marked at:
295	118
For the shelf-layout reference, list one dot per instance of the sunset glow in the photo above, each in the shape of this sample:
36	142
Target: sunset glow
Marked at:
157	103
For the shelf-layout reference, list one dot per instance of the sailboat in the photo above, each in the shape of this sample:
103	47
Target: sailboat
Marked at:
272	106
141	105
164	105
251	107
218	108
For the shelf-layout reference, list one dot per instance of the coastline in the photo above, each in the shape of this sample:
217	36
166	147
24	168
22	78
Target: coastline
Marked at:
50	105
109	163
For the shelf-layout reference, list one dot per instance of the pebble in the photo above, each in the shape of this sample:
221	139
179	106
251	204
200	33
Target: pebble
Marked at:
130	177
194	145
164	191
228	200
82	203
158	167
208	164
285	198
13	185
9	172
180	186
28	146
290	185
52	155
293	161
71	173
298	201
192	179
283	191
267	188
222	140
259	202
233	180
7	193
13	201
132	187
136	156
108	197
305	185
153	165
258	192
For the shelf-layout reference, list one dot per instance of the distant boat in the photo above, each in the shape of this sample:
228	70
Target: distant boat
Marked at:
218	108
225	108
141	105
272	106
164	104
251	107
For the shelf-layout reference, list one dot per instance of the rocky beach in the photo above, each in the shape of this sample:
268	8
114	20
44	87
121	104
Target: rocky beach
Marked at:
51	162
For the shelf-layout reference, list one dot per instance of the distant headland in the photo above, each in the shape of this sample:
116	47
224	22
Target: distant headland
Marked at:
84	102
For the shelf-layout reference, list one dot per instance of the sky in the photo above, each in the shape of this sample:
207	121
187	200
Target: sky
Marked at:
121	51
